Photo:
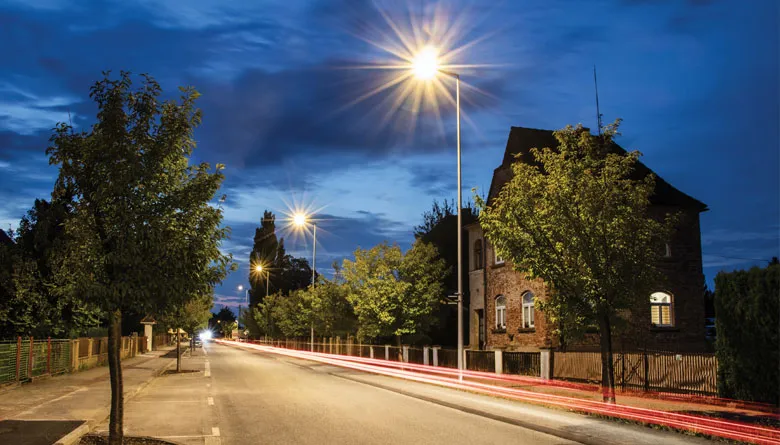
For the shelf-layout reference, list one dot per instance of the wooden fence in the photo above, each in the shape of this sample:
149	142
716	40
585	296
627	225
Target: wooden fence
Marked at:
644	371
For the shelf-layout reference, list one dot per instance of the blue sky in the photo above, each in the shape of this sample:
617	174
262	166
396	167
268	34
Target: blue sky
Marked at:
694	80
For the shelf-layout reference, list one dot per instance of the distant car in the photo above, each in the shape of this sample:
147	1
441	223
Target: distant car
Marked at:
198	343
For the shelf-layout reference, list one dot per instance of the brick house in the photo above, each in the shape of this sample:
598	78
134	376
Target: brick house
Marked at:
501	308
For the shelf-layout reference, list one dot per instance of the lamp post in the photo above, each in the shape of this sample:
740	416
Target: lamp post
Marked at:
259	269
300	220
246	299
425	66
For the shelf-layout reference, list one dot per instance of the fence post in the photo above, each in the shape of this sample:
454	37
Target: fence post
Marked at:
387	352
623	371
89	350
436	355
48	356
498	356
546	363
74	355
425	356
465	359
30	360
647	370
371	351
18	356
405	353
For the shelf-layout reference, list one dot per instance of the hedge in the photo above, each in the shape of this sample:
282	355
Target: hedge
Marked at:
747	309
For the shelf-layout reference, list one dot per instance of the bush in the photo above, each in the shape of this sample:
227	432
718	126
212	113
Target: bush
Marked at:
747	308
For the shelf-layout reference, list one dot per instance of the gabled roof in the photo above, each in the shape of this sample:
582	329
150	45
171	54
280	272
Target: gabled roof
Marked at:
521	140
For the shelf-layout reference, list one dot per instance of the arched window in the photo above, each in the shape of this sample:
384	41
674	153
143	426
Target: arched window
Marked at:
661	309
478	254
500	312
528	310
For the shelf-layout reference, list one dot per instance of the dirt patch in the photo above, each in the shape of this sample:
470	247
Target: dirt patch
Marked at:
183	371
95	439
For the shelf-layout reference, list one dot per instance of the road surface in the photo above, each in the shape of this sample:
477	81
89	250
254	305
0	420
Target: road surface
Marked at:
264	398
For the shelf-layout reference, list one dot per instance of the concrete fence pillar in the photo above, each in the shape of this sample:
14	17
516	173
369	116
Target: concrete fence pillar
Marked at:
546	363
74	355
436	355
371	352
498	355
405	353
387	352
465	359
425	356
89	349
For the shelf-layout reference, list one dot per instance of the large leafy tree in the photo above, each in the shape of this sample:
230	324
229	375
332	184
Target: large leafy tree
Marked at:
577	216
394	294
142	233
440	228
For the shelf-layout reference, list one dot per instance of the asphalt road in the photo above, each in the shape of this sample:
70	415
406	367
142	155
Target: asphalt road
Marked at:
263	398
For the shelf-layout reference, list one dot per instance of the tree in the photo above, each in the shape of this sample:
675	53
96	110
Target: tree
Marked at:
578	218
394	294
264	254
747	304
225	315
332	313
142	233
440	228
190	316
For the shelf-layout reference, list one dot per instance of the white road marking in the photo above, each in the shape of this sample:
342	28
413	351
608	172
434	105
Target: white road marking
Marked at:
208	385
207	372
215	431
211	401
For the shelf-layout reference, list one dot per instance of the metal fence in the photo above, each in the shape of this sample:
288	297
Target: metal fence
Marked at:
448	358
522	363
481	361
25	358
644	370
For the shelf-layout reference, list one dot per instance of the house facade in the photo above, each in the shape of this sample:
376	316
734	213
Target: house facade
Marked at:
502	312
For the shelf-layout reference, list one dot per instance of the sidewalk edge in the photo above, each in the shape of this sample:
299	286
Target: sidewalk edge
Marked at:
74	436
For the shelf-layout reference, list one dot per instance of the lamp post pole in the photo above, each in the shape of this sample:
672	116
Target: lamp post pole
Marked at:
313	275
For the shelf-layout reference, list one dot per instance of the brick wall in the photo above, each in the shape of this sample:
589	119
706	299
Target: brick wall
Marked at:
682	278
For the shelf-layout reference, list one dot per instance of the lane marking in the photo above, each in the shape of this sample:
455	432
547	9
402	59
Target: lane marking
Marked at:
208	385
207	372
211	401
215	431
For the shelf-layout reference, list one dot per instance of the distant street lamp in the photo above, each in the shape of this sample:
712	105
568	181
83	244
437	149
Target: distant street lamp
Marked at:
259	269
299	219
425	66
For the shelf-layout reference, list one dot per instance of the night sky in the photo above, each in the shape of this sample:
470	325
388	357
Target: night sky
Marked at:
285	103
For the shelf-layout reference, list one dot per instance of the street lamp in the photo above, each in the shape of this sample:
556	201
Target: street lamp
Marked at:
246	298
259	269
425	66
299	219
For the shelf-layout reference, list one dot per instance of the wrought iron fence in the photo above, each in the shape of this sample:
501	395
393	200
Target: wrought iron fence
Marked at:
481	361
522	363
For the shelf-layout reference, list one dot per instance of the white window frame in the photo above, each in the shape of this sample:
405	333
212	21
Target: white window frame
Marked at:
661	303
528	311
497	259
500	313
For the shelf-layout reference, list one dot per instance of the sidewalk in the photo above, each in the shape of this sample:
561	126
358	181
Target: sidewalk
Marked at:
84	396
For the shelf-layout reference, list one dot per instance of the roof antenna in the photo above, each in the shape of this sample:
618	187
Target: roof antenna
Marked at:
598	112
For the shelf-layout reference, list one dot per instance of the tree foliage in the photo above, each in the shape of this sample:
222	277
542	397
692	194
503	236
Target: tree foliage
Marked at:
576	217
747	305
142	232
394	294
263	254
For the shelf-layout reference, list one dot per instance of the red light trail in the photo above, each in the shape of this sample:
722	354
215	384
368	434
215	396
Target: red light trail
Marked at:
441	377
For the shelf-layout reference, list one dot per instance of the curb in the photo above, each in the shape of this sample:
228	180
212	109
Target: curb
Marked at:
74	436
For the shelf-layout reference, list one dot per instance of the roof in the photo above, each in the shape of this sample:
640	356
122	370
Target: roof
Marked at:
148	320
521	140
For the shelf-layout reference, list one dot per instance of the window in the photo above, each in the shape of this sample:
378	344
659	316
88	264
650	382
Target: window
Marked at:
667	251
500	312
661	313
498	259
528	310
478	254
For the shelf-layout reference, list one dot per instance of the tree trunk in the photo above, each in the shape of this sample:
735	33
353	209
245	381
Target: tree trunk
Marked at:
115	431
607	367
178	351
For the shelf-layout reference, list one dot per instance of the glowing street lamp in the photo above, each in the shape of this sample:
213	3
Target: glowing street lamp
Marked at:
300	219
425	65
259	269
